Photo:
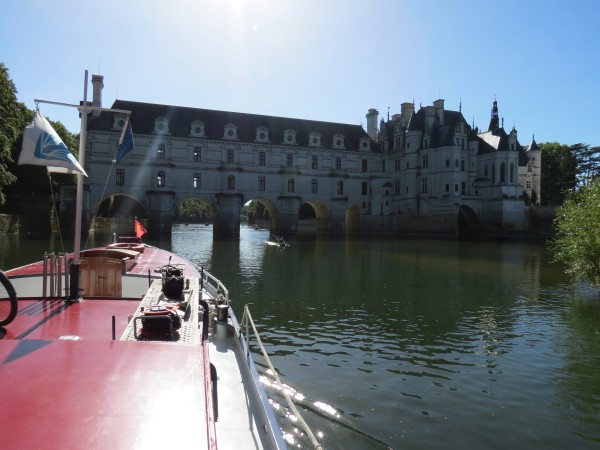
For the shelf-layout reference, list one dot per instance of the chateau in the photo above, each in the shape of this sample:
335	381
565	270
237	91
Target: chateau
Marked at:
421	172
439	168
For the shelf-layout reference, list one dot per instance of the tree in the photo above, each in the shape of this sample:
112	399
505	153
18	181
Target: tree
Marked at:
588	163
14	117
193	210
559	172
577	241
10	121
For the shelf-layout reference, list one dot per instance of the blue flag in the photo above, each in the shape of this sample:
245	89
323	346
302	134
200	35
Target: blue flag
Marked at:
126	142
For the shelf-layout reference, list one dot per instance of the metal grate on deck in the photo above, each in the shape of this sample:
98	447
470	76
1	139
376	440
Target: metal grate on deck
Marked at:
189	331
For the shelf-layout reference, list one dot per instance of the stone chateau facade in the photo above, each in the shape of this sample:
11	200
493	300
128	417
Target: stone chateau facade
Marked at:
422	171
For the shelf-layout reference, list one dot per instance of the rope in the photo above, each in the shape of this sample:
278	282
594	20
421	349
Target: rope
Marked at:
288	399
62	245
100	202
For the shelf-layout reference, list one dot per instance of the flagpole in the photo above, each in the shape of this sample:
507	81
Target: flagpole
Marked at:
75	265
71	165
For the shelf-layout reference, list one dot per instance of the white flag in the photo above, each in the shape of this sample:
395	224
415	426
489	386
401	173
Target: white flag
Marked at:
43	147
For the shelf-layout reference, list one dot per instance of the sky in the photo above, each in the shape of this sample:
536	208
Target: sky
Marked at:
326	60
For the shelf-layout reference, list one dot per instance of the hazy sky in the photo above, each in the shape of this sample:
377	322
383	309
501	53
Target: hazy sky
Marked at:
328	60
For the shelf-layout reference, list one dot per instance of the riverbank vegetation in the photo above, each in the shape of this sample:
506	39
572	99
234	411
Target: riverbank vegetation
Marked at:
577	242
15	180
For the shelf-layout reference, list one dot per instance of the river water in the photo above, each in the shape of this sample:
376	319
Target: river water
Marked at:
410	344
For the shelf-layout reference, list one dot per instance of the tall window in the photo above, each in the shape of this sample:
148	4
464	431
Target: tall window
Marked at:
314	186
463	188
197	180
261	158
493	173
396	188
447	163
340	187
160	153
424	185
229	155
315	162
290	160
512	172
161	179
120	177
502	173
261	183
462	165
197	154
364	165
397	166
364	188
291	185
230	182
425	161
338	163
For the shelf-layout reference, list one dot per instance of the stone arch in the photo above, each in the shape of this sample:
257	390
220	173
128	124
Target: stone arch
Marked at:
115	212
119	205
469	226
318	220
272	211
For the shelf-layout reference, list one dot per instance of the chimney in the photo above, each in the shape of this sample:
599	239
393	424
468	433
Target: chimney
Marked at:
97	86
372	116
406	111
439	110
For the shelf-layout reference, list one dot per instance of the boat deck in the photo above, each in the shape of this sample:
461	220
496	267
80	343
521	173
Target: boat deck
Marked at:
75	375
102	393
234	424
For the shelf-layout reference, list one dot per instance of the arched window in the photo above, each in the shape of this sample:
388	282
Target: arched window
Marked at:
161	180
340	187
230	182
291	185
502	173
512	172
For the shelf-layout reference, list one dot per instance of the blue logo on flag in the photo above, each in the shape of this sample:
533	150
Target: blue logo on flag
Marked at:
48	148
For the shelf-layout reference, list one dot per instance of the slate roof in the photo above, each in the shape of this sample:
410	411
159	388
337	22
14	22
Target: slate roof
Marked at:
143	118
440	135
533	145
495	141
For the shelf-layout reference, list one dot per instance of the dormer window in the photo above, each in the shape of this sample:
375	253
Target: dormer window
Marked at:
262	134
314	139
338	141
197	129
289	137
230	132
161	125
119	121
364	144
